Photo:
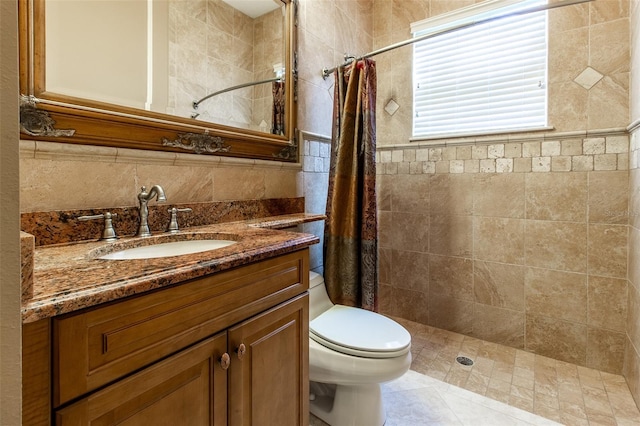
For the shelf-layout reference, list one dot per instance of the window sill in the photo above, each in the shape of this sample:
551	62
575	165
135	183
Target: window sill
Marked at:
464	138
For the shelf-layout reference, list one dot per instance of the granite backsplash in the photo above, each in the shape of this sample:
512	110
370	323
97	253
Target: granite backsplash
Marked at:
58	227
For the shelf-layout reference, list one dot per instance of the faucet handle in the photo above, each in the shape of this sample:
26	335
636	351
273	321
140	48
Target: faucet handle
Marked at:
173	223
108	233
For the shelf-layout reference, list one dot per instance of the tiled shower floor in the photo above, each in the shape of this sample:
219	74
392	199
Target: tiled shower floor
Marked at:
501	383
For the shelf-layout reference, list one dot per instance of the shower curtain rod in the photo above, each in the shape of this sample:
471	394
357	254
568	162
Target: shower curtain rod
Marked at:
239	86
327	72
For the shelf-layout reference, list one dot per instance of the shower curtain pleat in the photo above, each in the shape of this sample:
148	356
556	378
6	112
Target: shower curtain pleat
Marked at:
350	239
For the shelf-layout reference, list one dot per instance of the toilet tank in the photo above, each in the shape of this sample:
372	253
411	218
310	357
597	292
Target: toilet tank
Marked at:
319	300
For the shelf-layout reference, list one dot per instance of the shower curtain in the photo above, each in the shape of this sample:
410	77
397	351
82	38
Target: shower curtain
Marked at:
277	119
350	238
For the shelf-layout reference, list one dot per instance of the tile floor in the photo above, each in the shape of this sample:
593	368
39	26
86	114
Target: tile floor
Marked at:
504	386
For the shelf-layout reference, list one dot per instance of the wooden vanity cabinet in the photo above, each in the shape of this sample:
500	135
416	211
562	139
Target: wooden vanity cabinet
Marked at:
227	349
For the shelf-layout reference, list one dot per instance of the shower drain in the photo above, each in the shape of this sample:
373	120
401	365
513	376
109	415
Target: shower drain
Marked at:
464	360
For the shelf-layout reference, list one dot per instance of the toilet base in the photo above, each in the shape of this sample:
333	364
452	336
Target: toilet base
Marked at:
341	405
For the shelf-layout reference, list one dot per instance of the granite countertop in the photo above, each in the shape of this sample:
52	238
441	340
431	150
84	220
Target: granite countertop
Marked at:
69	277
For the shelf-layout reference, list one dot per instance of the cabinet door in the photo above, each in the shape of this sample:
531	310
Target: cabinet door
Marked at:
188	388
268	377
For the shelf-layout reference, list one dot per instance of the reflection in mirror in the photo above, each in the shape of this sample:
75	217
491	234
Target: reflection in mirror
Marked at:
177	53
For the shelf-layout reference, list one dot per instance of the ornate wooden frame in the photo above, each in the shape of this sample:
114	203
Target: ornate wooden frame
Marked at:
47	116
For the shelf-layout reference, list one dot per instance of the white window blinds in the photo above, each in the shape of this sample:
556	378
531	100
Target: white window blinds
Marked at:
490	77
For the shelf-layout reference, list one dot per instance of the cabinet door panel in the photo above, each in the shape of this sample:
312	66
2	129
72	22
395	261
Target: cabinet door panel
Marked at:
100	345
189	388
269	385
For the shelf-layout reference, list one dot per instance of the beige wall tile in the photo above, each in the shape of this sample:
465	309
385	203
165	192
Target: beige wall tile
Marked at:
609	10
386	300
479	152
556	196
557	339
499	195
385	229
568	106
409	270
582	163
384	265
513	150
605	350
238	183
384	191
556	245
563	67
607	306
499	325
451	314
608	250
451	235
568	18
609	46
499	284
180	184
571	147
631	371
522	165
633	266
449	194
561	164
410	193
283	184
556	294
531	149
411	305
62	185
608	197
410	232
633	316
634	198
609	102
451	277
499	240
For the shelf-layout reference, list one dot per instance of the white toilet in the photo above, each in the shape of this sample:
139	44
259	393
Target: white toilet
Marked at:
351	352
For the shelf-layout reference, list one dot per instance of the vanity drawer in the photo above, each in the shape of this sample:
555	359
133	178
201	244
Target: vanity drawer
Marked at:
103	344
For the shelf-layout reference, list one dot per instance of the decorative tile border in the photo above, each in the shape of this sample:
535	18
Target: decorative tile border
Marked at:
71	152
316	151
565	153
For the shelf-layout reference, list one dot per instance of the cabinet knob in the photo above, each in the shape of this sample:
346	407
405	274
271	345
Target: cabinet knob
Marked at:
225	360
241	351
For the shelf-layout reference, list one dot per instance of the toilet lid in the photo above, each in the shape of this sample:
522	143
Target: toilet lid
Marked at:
359	332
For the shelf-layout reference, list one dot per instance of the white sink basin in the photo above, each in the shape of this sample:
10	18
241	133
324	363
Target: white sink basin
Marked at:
174	248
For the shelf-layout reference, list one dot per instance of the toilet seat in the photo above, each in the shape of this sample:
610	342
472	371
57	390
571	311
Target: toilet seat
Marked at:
359	332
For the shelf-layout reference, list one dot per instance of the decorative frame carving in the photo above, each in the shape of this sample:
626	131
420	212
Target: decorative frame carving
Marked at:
35	122
198	143
99	123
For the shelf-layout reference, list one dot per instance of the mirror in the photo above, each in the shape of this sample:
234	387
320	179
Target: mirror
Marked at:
173	75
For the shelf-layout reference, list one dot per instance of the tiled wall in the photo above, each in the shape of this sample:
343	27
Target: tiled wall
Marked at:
327	30
520	243
57	176
315	171
520	238
582	38
268	50
632	354
212	47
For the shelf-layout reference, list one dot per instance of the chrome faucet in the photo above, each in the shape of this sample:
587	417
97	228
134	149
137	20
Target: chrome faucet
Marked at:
144	197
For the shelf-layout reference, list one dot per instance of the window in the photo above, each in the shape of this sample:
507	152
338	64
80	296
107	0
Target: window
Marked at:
485	78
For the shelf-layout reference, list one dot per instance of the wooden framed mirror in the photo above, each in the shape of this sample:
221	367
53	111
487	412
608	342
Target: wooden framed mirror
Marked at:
61	47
